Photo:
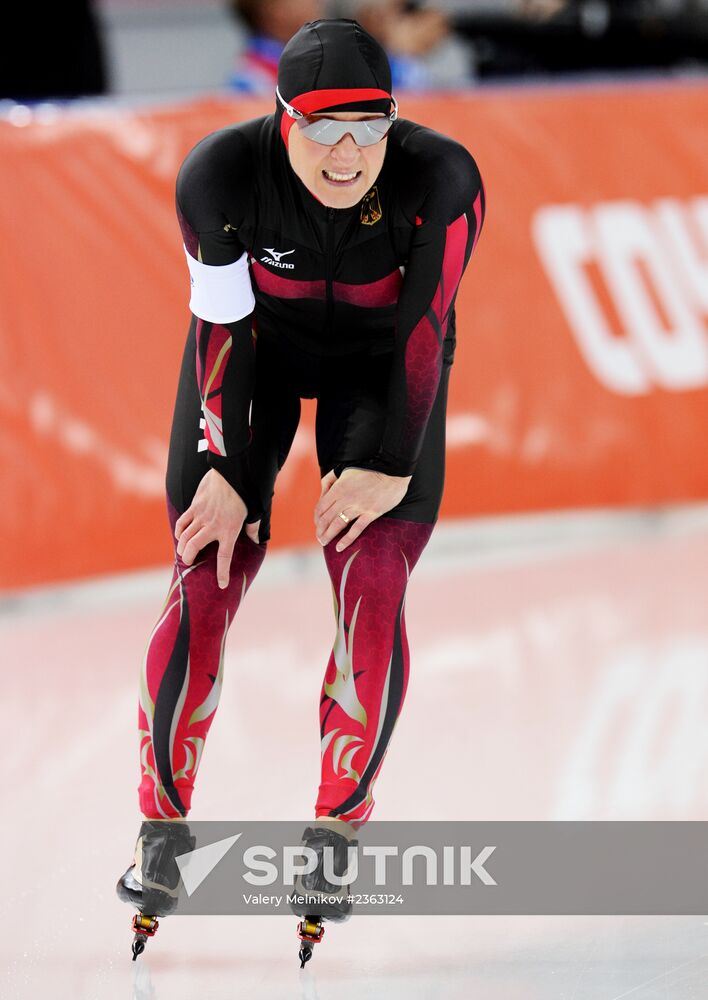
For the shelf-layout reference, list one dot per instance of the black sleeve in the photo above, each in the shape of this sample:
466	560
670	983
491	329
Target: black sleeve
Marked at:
213	184
448	213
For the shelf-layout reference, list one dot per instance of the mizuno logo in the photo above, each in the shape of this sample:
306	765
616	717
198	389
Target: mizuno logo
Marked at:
275	258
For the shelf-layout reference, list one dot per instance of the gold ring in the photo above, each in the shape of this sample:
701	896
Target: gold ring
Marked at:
344	517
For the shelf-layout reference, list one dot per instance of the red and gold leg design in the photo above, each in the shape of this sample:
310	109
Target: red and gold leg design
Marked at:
367	674
182	674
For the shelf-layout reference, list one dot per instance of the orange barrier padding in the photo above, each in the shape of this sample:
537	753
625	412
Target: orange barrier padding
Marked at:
582	364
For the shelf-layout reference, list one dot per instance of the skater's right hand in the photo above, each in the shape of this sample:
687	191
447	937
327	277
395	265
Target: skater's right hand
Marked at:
216	514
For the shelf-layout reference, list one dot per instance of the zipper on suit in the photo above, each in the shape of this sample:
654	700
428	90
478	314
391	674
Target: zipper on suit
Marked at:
329	272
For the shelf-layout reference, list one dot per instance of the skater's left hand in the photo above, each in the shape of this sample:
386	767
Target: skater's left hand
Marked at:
362	496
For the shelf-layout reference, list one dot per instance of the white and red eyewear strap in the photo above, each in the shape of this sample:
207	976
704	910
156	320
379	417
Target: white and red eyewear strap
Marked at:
314	101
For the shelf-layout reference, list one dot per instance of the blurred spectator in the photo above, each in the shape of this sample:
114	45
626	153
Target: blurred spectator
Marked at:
56	52
269	23
539	9
525	37
424	51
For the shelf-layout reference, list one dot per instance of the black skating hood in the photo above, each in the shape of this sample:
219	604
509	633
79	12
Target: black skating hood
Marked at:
332	65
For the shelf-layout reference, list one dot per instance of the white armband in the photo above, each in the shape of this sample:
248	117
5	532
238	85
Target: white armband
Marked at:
220	293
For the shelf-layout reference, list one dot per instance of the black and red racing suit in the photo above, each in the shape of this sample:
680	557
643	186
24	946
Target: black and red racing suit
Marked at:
353	307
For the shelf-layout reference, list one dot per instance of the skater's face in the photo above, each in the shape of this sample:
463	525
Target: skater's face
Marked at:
339	175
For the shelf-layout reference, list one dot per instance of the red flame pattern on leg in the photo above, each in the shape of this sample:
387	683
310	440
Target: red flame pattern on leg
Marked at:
367	675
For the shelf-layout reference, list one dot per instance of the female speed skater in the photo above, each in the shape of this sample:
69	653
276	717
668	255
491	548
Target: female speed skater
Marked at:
325	244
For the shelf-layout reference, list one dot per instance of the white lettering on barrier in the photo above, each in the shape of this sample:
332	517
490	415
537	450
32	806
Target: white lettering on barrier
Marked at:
650	261
685	229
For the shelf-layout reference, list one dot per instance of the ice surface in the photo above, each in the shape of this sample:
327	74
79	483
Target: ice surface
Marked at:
558	680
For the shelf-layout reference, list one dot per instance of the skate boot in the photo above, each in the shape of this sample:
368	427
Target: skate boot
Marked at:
151	884
324	901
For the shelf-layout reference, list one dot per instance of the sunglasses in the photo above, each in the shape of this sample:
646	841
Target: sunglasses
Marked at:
328	131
